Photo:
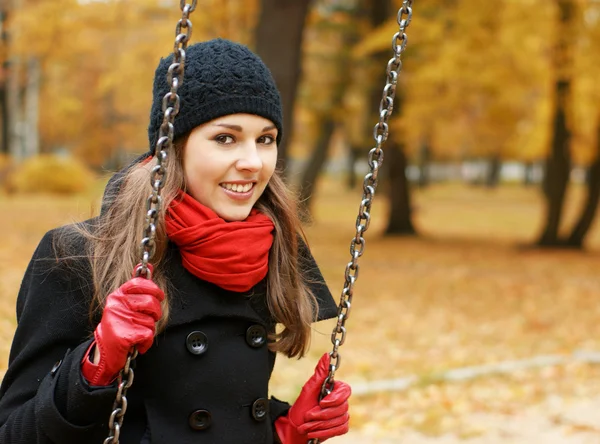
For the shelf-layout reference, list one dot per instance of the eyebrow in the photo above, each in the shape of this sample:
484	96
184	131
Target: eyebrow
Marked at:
239	128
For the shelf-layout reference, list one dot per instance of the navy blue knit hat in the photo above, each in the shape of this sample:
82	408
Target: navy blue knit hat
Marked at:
221	77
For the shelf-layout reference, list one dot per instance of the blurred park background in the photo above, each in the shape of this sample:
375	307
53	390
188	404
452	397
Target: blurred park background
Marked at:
476	315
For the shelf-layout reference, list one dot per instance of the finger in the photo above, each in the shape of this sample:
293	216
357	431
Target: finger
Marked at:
326	429
321	371
322	368
130	304
143	340
312	388
141	285
326	434
145	304
140	321
339	395
320	414
313	426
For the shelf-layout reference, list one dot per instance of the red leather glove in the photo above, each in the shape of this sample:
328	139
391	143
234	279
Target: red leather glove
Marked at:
128	321
310	418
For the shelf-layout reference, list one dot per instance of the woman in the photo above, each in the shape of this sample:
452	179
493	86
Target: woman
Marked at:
229	266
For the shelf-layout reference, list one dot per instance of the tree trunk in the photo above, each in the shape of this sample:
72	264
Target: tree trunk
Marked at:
558	163
340	61
424	161
528	174
279	43
14	110
31	137
558	167
4	148
493	171
588	213
400	220
353	154
315	163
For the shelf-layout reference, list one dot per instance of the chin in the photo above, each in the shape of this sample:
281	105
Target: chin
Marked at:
235	216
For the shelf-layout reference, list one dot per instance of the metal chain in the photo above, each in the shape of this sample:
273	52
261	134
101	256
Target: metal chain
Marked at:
170	106
357	245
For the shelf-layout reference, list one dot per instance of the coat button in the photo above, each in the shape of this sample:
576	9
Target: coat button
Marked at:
260	408
196	342
256	336
200	420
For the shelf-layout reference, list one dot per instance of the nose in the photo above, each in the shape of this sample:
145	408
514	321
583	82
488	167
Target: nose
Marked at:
249	159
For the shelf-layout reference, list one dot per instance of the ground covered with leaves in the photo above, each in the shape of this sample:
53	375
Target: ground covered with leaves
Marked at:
468	291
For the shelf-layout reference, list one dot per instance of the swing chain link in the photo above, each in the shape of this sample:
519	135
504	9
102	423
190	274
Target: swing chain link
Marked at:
170	105
375	160
115	422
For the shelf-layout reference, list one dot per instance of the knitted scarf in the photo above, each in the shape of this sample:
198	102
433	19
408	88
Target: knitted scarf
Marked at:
232	255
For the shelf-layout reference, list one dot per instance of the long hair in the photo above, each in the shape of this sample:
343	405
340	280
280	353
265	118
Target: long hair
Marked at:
114	252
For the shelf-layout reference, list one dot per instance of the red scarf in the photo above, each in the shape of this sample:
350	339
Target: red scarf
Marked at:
232	255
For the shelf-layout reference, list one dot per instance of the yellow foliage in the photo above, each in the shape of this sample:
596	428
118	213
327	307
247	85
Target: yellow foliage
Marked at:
477	75
49	174
5	162
98	60
479	79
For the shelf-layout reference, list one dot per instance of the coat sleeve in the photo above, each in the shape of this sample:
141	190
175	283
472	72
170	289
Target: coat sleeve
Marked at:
43	397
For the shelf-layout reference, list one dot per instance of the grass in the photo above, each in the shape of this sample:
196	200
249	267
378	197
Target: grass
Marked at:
462	293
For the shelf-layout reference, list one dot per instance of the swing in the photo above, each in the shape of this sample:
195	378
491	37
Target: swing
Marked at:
171	106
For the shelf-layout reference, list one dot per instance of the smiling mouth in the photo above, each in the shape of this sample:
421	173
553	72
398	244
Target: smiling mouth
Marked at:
238	187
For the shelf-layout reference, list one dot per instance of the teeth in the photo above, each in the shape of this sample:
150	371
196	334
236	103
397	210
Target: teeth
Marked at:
238	188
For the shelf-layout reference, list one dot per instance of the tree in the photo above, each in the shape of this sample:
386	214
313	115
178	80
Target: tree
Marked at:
590	207
376	46
4	146
424	160
400	212
558	162
329	81
31	137
279	43
94	100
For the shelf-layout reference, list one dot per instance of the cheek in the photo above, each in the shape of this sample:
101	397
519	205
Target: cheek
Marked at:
202	168
198	177
189	174
269	163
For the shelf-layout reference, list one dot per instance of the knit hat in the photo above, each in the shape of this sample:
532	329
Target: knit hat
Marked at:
221	77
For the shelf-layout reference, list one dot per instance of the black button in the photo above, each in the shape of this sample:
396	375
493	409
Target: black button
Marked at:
55	367
200	420
256	336
196	342
260	408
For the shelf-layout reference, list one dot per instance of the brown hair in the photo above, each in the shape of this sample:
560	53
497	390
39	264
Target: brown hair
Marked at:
114	251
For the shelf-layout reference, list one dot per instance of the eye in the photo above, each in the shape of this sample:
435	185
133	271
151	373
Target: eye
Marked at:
267	139
224	139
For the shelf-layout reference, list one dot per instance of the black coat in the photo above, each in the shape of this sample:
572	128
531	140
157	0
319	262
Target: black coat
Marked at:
205	379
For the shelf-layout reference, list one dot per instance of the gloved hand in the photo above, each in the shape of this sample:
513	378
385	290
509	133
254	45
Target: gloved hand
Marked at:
308	418
128	321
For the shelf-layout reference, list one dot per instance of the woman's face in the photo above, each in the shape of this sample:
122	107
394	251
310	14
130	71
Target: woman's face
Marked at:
228	162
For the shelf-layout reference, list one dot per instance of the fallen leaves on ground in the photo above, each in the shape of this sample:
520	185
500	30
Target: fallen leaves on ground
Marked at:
466	292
